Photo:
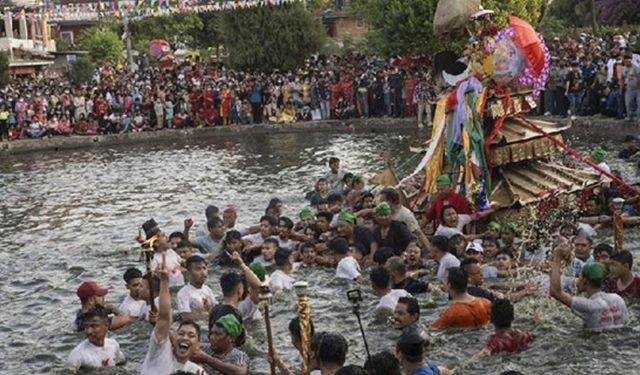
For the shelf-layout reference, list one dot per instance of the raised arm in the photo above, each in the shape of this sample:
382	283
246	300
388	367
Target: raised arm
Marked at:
163	325
555	283
251	277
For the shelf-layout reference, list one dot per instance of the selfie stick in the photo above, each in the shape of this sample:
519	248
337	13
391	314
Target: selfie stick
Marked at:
356	312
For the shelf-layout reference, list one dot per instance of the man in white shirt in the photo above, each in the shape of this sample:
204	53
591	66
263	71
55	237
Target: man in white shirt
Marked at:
268	253
133	303
196	299
267	229
348	267
166	356
209	243
335	176
96	350
280	280
440	253
404	215
380	280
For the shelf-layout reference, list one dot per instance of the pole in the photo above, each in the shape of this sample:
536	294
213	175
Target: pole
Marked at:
356	312
148	255
304	316
618	204
127	37
265	299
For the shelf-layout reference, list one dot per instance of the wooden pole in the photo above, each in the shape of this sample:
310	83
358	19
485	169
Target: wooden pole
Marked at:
265	299
618	204
304	316
148	255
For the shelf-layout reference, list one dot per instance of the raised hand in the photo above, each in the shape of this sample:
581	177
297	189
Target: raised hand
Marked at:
162	271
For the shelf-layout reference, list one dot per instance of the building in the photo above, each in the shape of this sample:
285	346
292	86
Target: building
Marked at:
28	43
341	22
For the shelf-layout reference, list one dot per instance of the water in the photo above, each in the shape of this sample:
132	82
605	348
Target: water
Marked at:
72	216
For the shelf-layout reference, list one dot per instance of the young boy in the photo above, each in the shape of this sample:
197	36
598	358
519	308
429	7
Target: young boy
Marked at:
267	257
133	303
348	267
161	248
280	279
185	251
285	228
505	338
195	299
175	238
96	350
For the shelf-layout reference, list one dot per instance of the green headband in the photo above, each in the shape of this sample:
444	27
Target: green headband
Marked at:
443	180
347	217
306	213
383	208
259	270
230	324
495	226
598	153
595	272
509	226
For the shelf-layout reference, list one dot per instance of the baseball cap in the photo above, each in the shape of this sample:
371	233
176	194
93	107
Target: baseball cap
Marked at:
90	288
474	246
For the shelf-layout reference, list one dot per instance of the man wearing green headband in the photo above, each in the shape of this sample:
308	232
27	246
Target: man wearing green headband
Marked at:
445	196
222	357
390	233
598	309
355	234
597	156
404	215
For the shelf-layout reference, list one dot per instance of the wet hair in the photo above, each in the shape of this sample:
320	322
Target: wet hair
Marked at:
603	248
211	212
272	241
367	194
582	235
333	160
511	372
306	245
321	202
442	210
379	277
193	260
489	239
347	176
391	195
273	203
396	264
455	240
294	328
282	256
441	243
131	273
411	346
176	235
570	227
457	279
383	254
352	370
412	305
332	348
624	257
232	235
505	251
213	222
383	363
98	311
334	198
182	244
270	219
229	282
501	313
327	215
287	222
322	179
190	323
339	246
467	262
317	232
358	247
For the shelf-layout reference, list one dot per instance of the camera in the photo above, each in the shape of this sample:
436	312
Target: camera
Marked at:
354	296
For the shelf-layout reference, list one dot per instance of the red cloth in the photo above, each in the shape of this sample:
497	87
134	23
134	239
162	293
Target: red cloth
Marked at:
455	200
633	290
510	341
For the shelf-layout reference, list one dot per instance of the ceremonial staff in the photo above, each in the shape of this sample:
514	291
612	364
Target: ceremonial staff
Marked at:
618	204
265	299
304	316
147	249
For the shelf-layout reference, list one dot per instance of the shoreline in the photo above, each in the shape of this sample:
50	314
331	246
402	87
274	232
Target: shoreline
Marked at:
592	126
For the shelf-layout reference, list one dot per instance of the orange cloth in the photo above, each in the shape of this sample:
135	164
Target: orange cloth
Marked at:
474	313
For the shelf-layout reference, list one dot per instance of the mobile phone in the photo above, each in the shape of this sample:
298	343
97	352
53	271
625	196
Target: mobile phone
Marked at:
354	295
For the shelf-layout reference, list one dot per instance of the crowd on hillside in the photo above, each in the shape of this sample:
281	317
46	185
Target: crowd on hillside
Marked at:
196	94
589	75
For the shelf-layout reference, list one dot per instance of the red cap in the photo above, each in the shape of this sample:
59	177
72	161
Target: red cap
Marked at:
230	211
90	288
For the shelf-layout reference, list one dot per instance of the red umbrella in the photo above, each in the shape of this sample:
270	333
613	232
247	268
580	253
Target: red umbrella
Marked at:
158	47
527	39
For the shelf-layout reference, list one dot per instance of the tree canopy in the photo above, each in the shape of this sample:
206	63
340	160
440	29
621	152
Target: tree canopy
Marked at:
102	44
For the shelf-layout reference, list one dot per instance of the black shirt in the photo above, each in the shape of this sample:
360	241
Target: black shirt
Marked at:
411	285
626	153
398	237
476	291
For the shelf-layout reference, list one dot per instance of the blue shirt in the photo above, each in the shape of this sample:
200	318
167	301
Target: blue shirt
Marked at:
428	369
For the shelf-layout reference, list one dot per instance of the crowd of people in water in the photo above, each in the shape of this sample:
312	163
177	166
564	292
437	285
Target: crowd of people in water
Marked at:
589	75
367	237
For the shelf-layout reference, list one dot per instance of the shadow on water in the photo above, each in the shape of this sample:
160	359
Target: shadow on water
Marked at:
72	216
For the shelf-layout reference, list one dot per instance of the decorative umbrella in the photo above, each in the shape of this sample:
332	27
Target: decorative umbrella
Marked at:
158	48
529	42
453	14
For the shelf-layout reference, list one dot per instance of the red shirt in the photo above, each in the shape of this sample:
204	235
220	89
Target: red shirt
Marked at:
633	290
510	341
457	201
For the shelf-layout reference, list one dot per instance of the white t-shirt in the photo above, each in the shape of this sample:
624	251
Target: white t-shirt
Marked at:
132	307
404	215
601	310
287	244
450	232
146	309
447	261
173	266
267	263
390	300
88	355
249	310
348	268
161	361
280	281
190	298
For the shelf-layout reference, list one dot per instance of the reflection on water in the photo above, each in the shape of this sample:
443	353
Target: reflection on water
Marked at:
69	217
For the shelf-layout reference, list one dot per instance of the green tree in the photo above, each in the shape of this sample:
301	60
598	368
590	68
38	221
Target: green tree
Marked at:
4	68
81	71
270	37
528	10
103	45
179	30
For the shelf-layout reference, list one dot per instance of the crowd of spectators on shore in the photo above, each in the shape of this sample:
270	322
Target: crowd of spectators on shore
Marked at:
198	95
589	75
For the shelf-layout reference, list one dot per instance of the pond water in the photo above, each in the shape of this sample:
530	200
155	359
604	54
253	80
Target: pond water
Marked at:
71	216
